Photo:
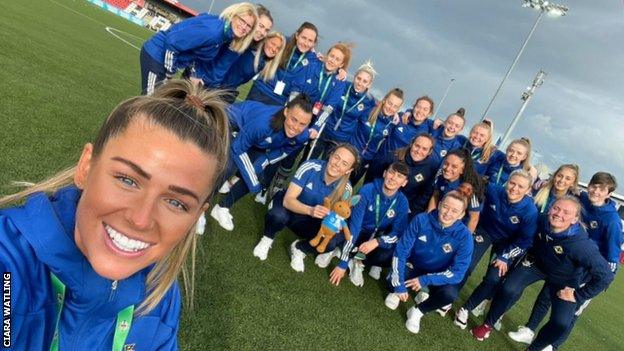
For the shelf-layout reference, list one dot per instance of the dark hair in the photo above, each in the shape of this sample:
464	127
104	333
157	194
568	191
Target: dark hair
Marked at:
469	175
424	98
402	153
399	167
604	178
461	112
302	101
292	42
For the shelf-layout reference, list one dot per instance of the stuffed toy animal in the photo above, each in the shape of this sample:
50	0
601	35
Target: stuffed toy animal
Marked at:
335	221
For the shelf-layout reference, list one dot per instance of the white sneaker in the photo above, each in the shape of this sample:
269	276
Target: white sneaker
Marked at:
223	216
442	311
323	260
200	227
548	348
461	318
499	324
261	197
356	268
225	188
392	301
375	272
262	249
413	320
296	257
421	297
480	309
523	335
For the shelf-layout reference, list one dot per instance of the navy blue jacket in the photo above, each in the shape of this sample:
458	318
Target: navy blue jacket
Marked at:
444	253
393	221
569	259
342	123
511	226
403	134
479	165
604	227
443	145
195	39
38	238
242	70
318	84
369	143
310	176
499	169
213	72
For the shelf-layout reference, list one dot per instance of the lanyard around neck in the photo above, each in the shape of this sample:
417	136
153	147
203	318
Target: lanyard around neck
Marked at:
301	57
320	82
122	327
372	131
377	206
344	106
226	27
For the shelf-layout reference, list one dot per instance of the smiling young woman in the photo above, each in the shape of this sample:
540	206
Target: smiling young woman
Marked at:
113	233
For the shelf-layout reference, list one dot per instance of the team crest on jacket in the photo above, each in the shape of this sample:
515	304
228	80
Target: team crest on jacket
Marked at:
360	107
443	153
479	238
447	248
526	263
391	213
558	249
385	132
304	62
593	224
129	347
514	219
419	177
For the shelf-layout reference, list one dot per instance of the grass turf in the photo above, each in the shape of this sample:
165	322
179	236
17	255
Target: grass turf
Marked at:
64	73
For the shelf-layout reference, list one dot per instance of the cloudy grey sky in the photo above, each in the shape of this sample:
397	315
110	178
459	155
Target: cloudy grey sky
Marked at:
577	115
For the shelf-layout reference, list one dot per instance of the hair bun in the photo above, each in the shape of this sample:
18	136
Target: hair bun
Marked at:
461	111
465	189
194	100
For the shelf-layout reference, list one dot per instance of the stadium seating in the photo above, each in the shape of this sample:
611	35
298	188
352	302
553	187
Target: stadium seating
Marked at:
120	4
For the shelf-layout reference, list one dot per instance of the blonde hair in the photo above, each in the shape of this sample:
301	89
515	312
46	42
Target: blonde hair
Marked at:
193	114
271	65
240	9
368	68
488	147
541	198
524	141
372	118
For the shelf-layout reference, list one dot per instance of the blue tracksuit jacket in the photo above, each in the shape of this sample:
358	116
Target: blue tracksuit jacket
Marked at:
403	134
393	221
368	138
310	176
195	39
38	238
499	169
252	120
213	72
604	227
511	226
443	145
444	253
242	70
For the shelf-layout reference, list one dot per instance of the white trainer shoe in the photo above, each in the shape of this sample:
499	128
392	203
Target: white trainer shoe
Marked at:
323	260
223	217
421	297
262	249
480	309
392	301
442	311
461	318
548	348
356	268
499	324
523	335
414	316
296	258
200	227
261	197
225	188
375	272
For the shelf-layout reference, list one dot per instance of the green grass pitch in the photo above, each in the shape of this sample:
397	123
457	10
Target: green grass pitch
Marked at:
62	74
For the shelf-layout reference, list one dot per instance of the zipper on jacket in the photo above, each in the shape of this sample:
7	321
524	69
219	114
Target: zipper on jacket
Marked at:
113	292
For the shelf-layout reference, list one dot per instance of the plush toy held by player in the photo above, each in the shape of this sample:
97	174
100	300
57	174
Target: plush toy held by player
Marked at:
335	221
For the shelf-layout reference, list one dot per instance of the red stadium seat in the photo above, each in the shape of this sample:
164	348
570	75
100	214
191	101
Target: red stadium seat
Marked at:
120	4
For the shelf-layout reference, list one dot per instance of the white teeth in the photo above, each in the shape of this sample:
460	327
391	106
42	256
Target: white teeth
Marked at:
124	243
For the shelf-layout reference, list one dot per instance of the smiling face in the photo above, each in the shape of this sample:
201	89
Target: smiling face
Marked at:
564	180
306	40
450	211
141	196
562	215
452	168
453	126
393	180
421	148
421	111
362	81
340	163
479	135
264	27
516	153
242	25
334	60
272	46
598	194
296	121
517	187
391	105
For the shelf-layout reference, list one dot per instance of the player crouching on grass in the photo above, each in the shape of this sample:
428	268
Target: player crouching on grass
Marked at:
564	257
375	224
433	254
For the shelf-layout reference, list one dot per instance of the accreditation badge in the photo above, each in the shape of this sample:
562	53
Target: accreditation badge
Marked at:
514	219
385	132
360	107
593	224
129	347
419	177
391	213
558	249
304	62
447	248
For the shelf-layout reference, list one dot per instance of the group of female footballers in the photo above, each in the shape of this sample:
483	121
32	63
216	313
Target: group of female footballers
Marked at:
98	256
